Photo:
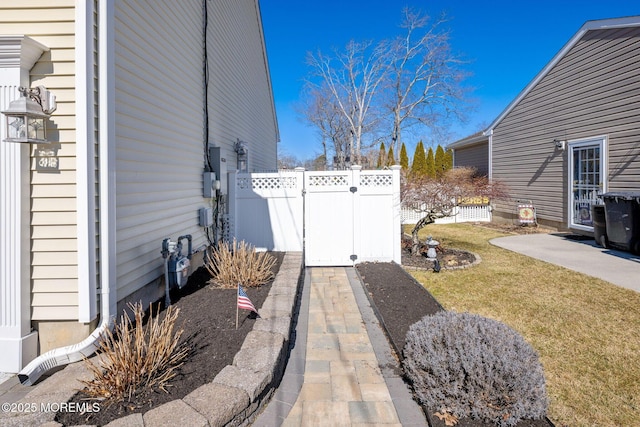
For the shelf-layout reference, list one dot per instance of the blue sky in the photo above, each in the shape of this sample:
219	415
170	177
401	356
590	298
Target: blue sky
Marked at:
506	43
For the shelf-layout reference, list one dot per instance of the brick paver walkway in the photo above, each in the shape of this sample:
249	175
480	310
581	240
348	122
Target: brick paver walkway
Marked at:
343	385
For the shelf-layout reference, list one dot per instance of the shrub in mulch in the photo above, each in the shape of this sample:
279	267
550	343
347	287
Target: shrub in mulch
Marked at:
466	365
137	355
400	302
236	262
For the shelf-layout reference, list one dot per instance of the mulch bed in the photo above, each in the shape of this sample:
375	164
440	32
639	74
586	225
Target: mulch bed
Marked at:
448	258
400	301
208	315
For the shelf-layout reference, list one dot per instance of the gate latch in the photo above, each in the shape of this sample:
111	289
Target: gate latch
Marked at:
353	189
353	257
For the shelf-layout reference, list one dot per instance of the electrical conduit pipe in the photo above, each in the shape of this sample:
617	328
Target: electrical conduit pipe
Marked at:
108	302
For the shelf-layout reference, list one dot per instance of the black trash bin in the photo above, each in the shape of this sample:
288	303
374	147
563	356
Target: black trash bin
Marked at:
599	225
622	211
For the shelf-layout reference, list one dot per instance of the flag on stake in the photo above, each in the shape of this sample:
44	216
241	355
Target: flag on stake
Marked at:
243	300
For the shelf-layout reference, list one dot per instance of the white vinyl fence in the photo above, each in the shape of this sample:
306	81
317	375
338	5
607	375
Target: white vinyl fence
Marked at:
266	209
337	217
470	213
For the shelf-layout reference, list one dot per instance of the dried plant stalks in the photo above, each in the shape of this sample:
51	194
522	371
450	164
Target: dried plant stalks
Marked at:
238	262
137	356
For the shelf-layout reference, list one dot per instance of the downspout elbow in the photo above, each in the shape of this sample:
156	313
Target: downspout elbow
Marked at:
64	355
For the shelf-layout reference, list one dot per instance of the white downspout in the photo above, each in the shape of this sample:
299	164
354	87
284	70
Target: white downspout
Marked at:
85	162
108	299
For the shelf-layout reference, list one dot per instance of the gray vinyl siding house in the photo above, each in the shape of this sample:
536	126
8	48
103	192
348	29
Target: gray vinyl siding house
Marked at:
473	153
573	133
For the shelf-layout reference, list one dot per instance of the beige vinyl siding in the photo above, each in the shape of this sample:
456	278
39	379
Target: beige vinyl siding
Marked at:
53	216
240	98
159	133
475	156
594	90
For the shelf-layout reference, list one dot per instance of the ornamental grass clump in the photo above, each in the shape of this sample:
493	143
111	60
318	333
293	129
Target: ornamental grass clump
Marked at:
466	365
238	262
137	356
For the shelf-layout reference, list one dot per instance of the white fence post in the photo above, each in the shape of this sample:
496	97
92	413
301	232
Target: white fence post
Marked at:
357	215
232	203
397	225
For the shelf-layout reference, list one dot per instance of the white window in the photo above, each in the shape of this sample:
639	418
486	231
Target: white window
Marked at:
587	179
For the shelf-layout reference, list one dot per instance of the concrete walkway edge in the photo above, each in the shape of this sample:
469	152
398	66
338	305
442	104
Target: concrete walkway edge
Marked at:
584	256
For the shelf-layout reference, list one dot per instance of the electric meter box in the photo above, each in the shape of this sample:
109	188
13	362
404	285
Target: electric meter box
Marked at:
209	185
219	165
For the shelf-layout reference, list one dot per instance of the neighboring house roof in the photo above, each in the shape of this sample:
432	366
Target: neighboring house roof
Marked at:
602	24
469	140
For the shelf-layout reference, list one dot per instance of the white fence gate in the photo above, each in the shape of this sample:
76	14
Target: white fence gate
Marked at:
338	217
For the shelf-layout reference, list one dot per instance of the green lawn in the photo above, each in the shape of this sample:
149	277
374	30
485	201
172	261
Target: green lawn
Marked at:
586	331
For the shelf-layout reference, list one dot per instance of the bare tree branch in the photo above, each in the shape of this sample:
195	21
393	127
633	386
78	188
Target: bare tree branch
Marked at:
438	198
424	76
352	79
413	79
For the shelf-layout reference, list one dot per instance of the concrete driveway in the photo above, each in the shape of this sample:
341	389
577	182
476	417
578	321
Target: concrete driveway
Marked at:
579	254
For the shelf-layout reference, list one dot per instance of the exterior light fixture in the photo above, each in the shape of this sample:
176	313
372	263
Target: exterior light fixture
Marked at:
242	149
25	117
559	144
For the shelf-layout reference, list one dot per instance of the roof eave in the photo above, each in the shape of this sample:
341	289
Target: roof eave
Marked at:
631	21
468	141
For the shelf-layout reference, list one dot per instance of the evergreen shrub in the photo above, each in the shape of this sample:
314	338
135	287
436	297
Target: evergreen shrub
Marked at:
467	365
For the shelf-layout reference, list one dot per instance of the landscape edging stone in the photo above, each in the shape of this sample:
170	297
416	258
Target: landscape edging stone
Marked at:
288	277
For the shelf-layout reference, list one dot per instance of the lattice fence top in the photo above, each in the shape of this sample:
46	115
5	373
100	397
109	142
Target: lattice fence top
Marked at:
267	183
376	180
328	180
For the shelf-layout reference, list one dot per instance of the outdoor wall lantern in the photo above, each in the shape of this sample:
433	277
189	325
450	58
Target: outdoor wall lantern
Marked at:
242	149
559	144
25	117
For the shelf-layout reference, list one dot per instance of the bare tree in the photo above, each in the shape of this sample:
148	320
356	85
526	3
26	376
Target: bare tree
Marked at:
288	161
410	80
424	77
352	79
437	198
322	111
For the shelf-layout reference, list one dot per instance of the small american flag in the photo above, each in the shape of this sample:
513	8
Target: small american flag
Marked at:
243	300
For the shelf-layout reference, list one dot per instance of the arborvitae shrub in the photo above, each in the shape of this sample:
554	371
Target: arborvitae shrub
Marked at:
391	158
439	161
404	158
382	156
419	164
431	166
471	366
